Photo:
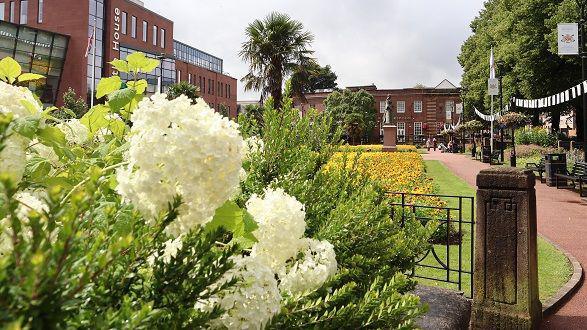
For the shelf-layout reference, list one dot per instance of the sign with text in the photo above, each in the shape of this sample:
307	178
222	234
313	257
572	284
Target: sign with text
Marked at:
568	39
493	86
459	109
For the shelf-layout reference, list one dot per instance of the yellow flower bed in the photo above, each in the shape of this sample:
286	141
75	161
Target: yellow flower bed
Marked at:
397	172
376	148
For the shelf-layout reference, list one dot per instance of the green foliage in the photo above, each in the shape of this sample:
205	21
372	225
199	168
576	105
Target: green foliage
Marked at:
523	34
275	47
536	135
310	78
352	111
342	207
73	106
11	72
514	120
183	88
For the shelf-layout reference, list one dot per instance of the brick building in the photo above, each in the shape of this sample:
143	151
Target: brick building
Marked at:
50	37
418	112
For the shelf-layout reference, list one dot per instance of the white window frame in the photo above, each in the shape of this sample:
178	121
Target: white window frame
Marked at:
162	38
418	127
133	27
417	106
189	78
401	106
145	31
178	76
12	11
2	9
41	12
24	12
382	106
124	23
401	131
155	31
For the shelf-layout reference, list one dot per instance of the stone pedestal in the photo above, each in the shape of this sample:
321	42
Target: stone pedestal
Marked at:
389	138
505	281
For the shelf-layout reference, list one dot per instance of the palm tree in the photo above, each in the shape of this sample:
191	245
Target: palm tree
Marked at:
275	48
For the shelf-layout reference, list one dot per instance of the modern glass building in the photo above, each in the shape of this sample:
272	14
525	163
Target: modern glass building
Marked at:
122	27
197	57
37	51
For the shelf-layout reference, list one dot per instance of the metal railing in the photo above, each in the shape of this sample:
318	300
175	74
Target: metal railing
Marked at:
451	254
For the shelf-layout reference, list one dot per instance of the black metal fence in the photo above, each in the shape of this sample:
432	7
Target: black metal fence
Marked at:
450	257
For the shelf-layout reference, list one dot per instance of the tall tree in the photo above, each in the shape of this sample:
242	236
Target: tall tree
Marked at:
275	47
312	78
353	111
523	34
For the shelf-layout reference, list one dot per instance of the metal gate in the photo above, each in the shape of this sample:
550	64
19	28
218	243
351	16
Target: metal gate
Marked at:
449	261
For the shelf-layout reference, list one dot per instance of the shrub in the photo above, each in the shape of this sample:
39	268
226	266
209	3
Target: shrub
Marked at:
183	88
376	148
535	135
342	206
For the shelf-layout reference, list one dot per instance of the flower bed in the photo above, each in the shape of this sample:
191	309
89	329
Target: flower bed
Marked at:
376	148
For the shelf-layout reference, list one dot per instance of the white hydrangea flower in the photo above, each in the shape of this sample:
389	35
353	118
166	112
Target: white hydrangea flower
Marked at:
253	145
13	157
180	148
252	302
11	98
29	201
280	218
43	151
75	132
309	273
172	246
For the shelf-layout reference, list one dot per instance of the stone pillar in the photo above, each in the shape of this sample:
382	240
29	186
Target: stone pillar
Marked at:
505	281
389	138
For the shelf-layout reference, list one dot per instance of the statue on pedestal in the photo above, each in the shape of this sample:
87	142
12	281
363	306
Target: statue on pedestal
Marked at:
388	119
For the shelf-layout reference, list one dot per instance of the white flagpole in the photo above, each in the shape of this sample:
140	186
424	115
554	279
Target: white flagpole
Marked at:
491	133
93	65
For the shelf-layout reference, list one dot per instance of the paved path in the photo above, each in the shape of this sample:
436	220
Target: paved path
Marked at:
562	218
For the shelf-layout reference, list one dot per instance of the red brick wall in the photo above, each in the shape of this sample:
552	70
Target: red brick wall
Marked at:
212	96
433	108
113	31
68	17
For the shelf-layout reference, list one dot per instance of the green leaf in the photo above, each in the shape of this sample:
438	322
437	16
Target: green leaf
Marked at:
29	77
120	98
236	220
117	127
138	62
120	65
140	86
38	168
26	126
9	69
108	85
52	136
96	118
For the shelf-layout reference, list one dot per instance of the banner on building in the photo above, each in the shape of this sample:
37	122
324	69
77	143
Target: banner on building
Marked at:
568	39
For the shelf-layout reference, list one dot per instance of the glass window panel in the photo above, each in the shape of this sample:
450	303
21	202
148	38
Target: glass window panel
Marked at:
124	19
155	35
12	12
2	9
40	69
100	10
133	27
162	38
145	31
24	11
41	12
92	8
58	52
5	52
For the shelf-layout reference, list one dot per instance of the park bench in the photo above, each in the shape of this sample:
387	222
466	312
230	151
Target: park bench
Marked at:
495	156
577	175
539	168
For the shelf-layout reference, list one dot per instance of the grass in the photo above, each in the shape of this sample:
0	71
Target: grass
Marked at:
554	269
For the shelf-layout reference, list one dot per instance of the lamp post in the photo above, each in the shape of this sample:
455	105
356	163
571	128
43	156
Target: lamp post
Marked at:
500	67
582	6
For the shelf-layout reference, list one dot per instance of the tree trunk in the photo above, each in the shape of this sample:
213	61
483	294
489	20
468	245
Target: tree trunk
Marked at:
555	119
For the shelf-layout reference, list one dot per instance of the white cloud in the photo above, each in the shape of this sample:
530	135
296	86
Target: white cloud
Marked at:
392	43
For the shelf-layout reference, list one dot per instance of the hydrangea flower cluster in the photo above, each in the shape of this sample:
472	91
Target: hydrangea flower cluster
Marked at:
180	149
281	221
29	201
316	266
12	101
253	301
75	132
253	145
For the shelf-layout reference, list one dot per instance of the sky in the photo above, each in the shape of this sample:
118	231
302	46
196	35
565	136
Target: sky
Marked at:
391	43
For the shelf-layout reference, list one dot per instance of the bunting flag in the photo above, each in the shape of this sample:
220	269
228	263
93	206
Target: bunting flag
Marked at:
556	99
487	117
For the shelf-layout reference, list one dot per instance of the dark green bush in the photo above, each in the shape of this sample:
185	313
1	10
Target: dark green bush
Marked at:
535	135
